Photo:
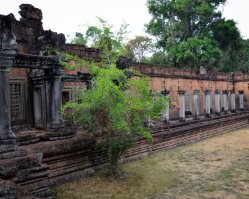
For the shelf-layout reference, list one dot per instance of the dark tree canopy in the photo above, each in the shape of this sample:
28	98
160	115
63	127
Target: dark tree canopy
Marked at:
176	21
193	33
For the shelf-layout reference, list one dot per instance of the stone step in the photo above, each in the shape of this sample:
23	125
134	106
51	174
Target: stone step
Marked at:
32	173
9	167
11	151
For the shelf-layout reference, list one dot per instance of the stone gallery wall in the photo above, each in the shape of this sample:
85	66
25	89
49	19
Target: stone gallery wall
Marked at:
32	39
46	151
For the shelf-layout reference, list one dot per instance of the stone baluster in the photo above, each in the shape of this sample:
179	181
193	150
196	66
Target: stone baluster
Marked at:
6	134
8	47
56	99
217	102
241	100
196	95
225	101
207	102
166	113
182	105
233	104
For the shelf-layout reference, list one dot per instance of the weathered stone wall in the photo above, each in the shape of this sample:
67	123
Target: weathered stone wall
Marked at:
83	52
19	73
28	29
39	158
32	39
173	79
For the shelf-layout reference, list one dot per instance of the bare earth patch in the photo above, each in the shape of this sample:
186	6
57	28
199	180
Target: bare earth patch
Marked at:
214	168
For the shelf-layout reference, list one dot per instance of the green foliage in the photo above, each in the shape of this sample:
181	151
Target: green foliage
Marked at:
111	43
228	37
184	30
79	39
194	53
227	34
139	48
116	106
176	21
244	57
159	58
193	33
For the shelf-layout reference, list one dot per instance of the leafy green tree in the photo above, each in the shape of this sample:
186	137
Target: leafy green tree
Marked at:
139	48
159	58
244	57
116	106
228	37
176	21
79	39
195	52
181	25
227	34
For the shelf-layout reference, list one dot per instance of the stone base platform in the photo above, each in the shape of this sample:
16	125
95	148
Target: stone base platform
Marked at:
42	161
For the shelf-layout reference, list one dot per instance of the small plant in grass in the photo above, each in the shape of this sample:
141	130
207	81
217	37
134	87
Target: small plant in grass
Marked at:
116	106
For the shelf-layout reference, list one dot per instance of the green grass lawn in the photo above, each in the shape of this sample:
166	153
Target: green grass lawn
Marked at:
214	168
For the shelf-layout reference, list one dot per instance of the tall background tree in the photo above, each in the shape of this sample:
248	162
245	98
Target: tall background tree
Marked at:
193	34
79	39
139	48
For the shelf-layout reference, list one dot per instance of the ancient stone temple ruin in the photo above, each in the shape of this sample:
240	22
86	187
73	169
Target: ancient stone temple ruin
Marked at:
39	148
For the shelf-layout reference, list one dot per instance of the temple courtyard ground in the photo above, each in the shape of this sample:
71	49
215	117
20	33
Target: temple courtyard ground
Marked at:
217	167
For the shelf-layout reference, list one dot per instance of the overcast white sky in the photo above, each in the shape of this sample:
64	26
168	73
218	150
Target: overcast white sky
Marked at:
64	16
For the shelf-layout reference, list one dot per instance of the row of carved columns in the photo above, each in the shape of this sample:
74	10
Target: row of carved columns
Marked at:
208	102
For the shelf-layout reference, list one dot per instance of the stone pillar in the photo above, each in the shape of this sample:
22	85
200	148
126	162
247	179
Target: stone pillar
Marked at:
241	100
217	102
233	103
56	99
207	102
182	105
225	101
196	114
166	113
7	52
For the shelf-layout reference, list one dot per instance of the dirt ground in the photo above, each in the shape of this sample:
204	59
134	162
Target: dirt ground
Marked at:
216	168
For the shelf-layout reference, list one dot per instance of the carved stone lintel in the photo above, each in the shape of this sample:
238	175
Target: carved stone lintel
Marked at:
217	92
181	92
58	71
225	92
165	92
207	92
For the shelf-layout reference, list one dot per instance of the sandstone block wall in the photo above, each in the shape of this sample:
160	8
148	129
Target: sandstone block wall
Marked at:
32	39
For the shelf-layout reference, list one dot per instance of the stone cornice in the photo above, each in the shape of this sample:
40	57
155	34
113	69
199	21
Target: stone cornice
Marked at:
35	61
